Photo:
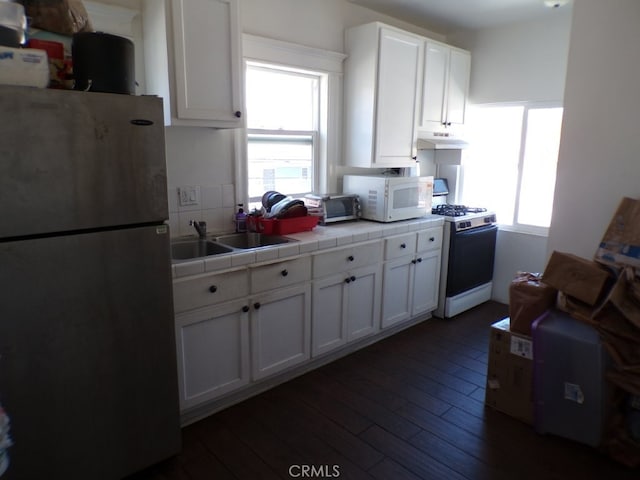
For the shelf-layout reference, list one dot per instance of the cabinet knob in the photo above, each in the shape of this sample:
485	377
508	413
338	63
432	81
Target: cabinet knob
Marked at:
350	258
245	309
256	305
403	245
284	272
432	239
347	280
238	114
419	260
353	279
448	124
213	289
414	261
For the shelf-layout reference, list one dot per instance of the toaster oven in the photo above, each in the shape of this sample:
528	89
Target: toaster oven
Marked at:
334	207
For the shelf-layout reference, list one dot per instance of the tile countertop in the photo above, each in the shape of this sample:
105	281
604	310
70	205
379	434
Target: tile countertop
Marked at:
320	238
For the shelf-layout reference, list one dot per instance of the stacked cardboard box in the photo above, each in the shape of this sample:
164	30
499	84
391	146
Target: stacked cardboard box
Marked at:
605	293
510	372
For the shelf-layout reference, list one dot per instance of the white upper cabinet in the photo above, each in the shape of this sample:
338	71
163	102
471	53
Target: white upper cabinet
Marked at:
193	60
445	87
383	74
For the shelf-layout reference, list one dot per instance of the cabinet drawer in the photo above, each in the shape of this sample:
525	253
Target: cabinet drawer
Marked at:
430	239
399	246
209	289
281	274
346	258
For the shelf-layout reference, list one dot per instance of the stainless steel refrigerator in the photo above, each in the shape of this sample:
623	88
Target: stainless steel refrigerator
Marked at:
87	350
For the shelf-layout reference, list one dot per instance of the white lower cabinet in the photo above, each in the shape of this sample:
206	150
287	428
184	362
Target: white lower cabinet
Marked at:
345	307
280	330
411	275
363	302
426	281
242	325
398	283
213	352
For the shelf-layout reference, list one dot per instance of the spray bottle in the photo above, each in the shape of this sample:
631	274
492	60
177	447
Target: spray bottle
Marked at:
241	220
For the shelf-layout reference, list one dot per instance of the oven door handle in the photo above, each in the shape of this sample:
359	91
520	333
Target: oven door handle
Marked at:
477	230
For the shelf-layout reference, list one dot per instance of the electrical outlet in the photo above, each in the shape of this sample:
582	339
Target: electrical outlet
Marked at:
188	195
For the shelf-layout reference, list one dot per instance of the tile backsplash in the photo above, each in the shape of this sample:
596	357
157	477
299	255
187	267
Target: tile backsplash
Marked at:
214	204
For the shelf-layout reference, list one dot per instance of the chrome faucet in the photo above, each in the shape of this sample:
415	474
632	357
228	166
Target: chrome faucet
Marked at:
201	228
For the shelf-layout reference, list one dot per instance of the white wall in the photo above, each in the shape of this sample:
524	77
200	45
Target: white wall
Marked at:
524	61
204	157
520	62
599	151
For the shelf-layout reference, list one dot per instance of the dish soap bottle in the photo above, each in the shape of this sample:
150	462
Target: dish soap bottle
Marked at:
241	220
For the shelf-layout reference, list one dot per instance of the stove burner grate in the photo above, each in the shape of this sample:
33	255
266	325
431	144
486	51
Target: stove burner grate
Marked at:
449	210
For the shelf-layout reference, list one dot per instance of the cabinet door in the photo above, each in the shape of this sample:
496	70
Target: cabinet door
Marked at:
458	86
363	301
398	80
280	330
434	88
207	59
328	314
213	352
396	291
426	279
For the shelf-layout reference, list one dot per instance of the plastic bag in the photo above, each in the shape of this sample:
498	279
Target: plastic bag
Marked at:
60	16
529	298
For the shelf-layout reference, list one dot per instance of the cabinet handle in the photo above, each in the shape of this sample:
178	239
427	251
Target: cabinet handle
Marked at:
213	289
238	114
403	245
284	272
432	239
256	305
350	258
245	309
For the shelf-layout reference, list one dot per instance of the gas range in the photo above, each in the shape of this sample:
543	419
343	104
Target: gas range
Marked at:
463	217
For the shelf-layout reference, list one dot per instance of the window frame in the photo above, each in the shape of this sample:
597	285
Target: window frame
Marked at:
329	64
314	133
516	226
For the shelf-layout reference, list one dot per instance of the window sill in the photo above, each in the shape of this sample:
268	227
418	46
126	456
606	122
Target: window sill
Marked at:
524	230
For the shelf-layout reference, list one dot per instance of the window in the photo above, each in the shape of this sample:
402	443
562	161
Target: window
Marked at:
282	130
511	164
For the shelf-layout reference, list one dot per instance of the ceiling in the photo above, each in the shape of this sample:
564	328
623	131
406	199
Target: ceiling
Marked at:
447	16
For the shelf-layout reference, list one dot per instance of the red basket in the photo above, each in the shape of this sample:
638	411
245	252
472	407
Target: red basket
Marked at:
282	226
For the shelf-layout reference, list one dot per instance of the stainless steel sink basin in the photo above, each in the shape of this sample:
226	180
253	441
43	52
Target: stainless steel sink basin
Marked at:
196	248
251	240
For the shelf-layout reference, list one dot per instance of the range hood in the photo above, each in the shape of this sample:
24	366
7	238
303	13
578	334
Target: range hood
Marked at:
440	142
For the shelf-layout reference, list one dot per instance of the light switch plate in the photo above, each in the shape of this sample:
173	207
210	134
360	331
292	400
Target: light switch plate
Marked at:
189	195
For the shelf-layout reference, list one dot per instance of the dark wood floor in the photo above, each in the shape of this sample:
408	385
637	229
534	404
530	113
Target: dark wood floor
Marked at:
409	407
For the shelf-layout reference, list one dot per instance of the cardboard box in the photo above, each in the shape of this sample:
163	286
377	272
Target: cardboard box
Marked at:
510	372
620	245
582	279
529	298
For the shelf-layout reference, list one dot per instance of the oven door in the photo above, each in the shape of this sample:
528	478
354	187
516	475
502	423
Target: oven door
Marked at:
471	256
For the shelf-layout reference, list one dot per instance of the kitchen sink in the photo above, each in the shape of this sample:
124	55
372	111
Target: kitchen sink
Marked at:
185	250
251	240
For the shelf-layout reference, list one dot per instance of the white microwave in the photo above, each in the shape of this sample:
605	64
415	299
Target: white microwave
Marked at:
385	198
